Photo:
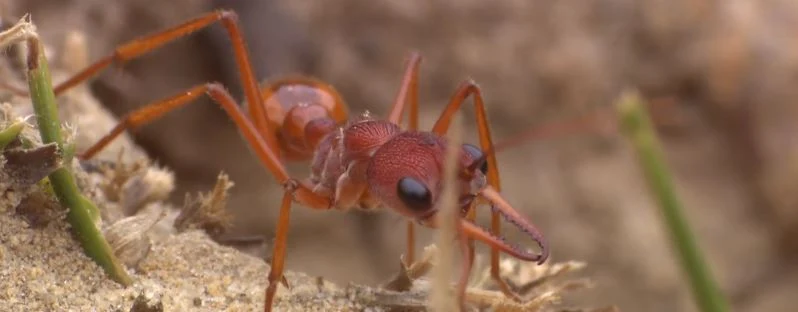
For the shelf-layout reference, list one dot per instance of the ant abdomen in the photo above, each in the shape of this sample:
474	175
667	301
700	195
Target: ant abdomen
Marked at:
301	111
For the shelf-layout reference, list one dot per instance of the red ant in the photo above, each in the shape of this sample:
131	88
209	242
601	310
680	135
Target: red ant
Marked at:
360	163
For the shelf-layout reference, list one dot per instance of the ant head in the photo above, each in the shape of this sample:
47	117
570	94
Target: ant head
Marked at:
406	174
419	197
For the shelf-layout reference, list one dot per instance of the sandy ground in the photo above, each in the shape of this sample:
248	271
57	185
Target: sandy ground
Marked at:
44	269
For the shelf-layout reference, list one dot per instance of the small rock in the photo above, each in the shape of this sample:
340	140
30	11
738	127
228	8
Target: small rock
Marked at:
143	304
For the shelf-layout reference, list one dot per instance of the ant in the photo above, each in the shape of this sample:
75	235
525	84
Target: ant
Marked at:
363	162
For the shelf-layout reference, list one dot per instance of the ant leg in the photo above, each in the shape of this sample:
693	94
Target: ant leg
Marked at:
12	89
140	46
408	92
278	253
595	122
221	96
441	126
293	189
268	156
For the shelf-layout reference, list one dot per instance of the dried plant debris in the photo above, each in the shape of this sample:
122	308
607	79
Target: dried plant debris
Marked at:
115	174
207	211
25	167
128	237
134	193
403	281
23	160
540	286
151	185
528	278
132	185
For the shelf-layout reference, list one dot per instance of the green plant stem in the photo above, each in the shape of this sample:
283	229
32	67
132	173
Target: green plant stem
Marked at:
82	212
10	133
637	126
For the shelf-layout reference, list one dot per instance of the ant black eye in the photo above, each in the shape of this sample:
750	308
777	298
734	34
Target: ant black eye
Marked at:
476	154
484	167
414	194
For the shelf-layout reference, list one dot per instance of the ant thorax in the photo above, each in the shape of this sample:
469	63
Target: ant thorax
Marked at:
342	157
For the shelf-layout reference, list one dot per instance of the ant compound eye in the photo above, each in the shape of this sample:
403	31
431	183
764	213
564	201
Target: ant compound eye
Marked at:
484	167
414	194
476	154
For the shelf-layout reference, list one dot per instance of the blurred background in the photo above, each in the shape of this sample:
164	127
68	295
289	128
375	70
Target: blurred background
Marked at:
727	71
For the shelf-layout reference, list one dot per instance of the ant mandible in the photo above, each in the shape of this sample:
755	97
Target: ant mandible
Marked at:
359	163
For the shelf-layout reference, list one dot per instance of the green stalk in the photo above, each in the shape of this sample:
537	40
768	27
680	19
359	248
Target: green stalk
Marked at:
10	133
82	212
637	126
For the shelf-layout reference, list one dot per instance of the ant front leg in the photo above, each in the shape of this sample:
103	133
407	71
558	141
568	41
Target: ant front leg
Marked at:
301	194
441	127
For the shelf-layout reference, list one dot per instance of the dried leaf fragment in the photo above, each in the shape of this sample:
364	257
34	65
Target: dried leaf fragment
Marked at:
403	281
148	185
207	211
26	167
128	237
